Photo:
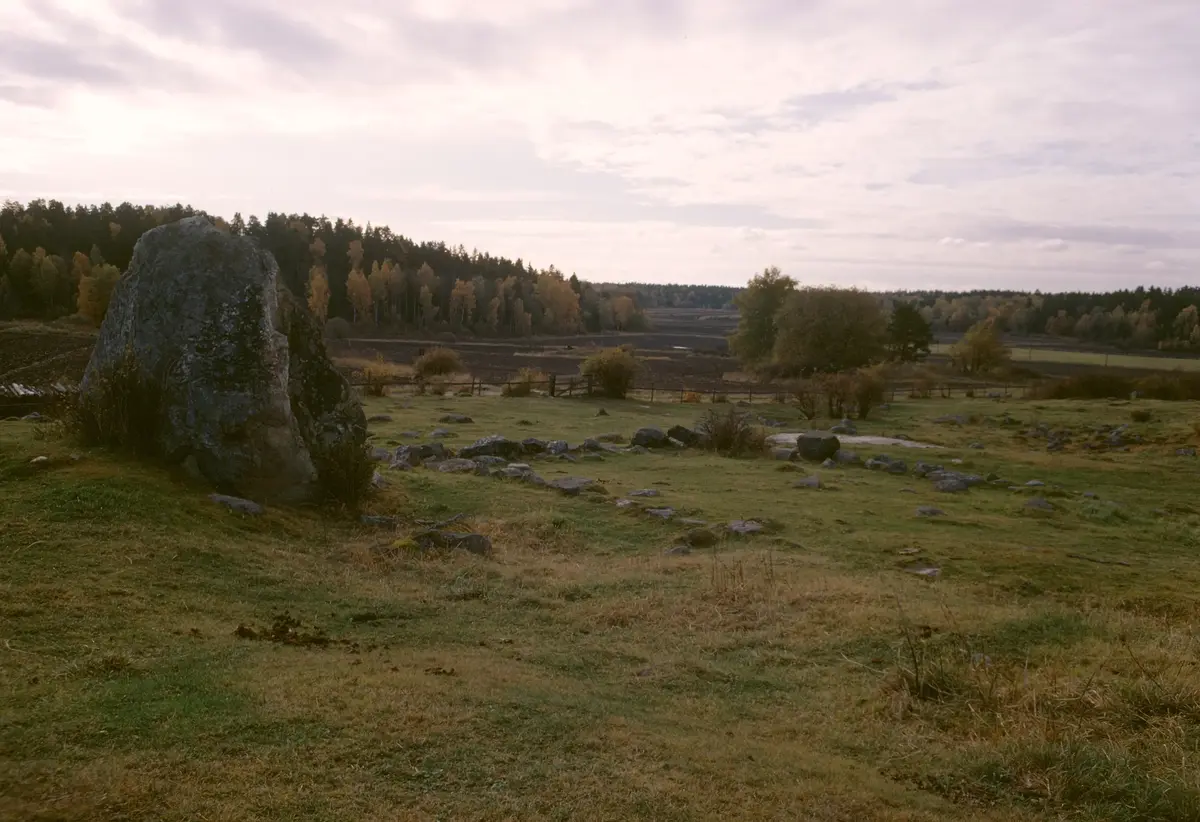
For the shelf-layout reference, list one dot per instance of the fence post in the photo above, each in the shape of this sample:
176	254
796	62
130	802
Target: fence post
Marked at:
589	385
651	392
750	396
552	385
681	397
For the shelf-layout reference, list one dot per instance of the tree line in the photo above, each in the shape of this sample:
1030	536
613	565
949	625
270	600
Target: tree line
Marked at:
57	261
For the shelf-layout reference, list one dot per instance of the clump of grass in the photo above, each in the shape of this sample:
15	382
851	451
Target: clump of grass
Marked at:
731	432
438	362
1141	415
691	397
344	472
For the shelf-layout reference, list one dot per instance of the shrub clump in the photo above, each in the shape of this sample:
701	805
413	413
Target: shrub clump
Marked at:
731	432
613	370
523	385
337	328
344	473
438	362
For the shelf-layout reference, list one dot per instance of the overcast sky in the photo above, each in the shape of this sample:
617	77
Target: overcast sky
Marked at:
1048	144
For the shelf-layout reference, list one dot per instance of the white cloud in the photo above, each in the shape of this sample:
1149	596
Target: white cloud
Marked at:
525	126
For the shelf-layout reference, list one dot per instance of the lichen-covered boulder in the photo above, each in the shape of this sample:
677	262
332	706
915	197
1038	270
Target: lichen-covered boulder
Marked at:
234	380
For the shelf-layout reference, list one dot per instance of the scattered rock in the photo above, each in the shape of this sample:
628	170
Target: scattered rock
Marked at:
661	513
533	446
601	413
646	492
978	446
844	457
409	435
783	454
1035	484
1185	452
493	446
817	446
378	481
557	447
1090	495
951	419
457	466
441	434
491	462
1038	504
746	527
472	543
951	485
378	521
829	464
40	461
684	435
930	511
416	455
625	503
808	482
244	383
637	449
650	438
381	454
456	419
241	506
923	569
574	486
846	426
923	469
677	551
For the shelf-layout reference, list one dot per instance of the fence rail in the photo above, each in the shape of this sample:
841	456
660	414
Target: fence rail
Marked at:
666	390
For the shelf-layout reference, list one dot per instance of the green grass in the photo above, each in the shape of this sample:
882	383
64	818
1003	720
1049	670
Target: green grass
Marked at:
580	673
1092	358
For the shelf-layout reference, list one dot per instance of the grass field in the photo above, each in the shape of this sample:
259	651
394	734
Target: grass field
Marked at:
1097	359
1048	672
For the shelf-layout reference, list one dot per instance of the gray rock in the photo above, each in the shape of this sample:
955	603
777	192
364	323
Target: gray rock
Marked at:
378	481
930	511
378	521
696	523
246	389
397	465
515	471
601	413
1185	452
808	482
816	446
829	464
456	419
951	419
684	435
783	454
381	454
1090	495
846	426
646	492
533	446
1035	484
472	543
745	527
574	486
844	457
677	551
493	446
39	461
977	446
924	469
661	513
241	506
457	466
441	434
409	435
637	449
491	462
592	458
380	418
897	467
557	447
951	485
591	445
650	438
34	417
880	462
1039	504
417	455
625	503
674	443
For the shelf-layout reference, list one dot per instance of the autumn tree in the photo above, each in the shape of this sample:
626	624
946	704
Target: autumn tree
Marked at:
828	330
378	281
462	303
560	303
358	290
95	292
981	349
757	306
624	309
318	282
908	334
428	309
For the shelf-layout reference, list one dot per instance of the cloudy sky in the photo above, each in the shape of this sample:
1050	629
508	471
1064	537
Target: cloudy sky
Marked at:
885	143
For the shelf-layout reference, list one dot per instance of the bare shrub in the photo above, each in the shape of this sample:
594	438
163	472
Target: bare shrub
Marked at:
731	432
122	410
438	362
523	385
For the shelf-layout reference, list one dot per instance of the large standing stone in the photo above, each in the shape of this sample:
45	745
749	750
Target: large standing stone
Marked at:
817	446
650	437
243	390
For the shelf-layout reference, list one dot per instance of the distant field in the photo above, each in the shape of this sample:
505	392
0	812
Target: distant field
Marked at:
1094	358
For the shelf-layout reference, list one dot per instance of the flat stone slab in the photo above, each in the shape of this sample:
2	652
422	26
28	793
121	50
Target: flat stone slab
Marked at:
791	439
